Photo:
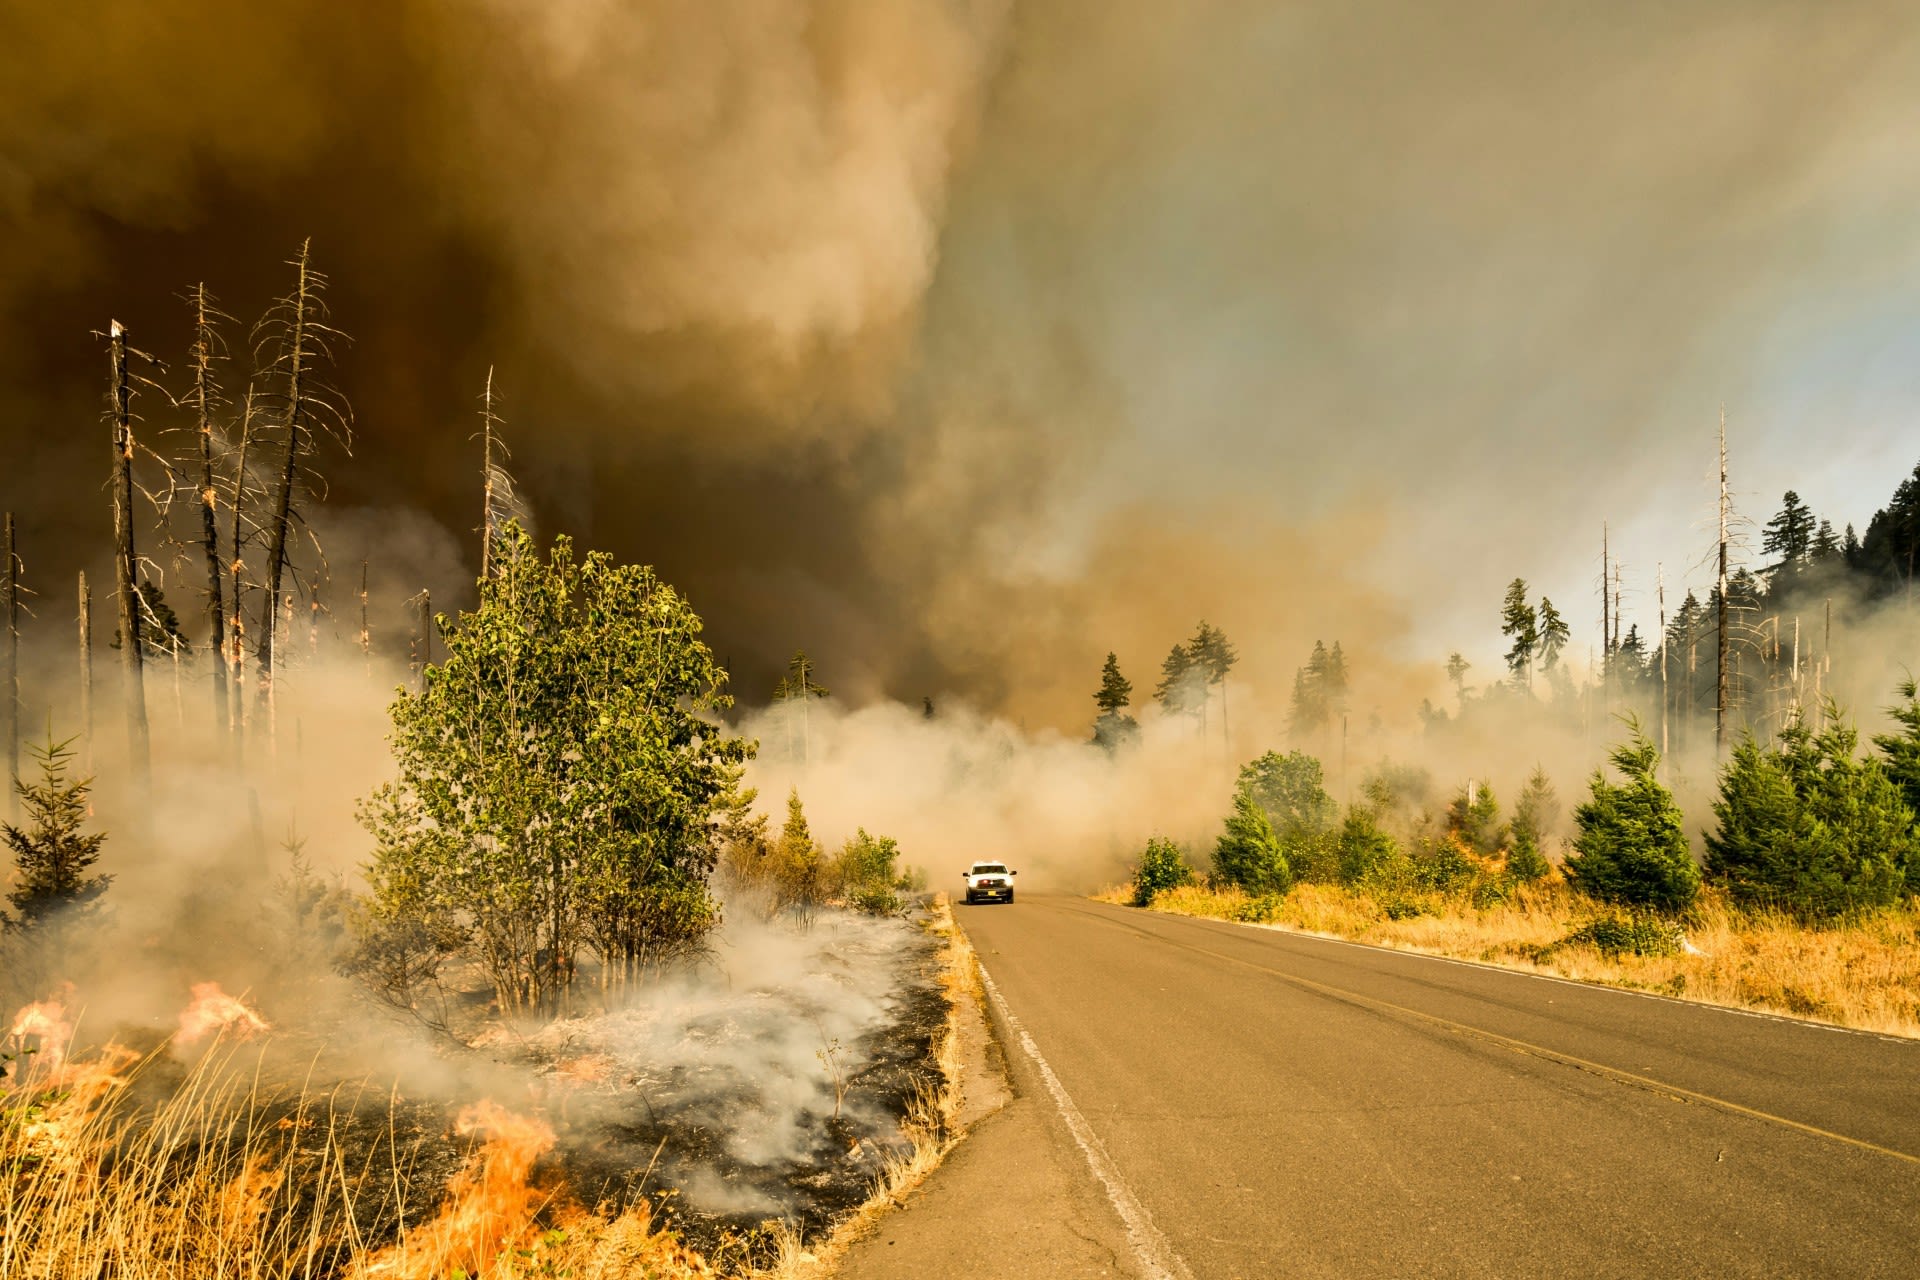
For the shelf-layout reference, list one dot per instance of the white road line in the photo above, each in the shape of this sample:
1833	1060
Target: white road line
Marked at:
1149	1246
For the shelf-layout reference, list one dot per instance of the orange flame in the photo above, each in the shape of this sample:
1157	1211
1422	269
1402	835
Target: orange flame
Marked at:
490	1205
213	1010
42	1029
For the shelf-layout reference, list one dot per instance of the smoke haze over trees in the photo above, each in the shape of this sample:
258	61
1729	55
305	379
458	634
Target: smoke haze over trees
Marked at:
1007	335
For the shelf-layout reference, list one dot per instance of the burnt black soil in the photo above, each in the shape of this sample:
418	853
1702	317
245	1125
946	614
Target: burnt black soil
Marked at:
669	1141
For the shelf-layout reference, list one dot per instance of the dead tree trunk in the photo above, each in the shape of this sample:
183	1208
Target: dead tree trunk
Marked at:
1720	656
1606	630
366	636
423	645
205	397
125	559
236	581
10	665
1660	591
280	515
487	527
86	676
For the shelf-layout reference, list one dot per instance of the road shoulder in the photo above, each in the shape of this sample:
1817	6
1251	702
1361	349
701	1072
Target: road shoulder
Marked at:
1014	1197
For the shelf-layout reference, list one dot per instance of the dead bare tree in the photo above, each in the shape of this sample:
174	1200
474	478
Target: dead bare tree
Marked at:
500	502
10	669
126	561
1720	657
296	332
205	399
423	640
236	656
366	636
86	676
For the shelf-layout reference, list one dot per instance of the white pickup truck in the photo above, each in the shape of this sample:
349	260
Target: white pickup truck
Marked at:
990	882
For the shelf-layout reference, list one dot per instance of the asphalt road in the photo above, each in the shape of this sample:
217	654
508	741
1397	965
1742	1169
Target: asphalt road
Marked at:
1245	1102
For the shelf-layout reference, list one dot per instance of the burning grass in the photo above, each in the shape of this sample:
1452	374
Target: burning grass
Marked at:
198	1155
1863	974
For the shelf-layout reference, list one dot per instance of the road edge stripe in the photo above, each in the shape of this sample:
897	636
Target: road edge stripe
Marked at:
1149	1246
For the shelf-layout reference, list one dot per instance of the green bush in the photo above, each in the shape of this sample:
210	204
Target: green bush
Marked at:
1640	935
1442	866
868	873
1399	904
1534	816
1630	848
1474	818
1261	909
1491	890
1162	867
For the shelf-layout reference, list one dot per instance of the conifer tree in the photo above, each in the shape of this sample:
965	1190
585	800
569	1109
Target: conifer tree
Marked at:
1474	818
1534	816
1808	827
1789	536
1903	752
1553	635
1248	853
1457	668
52	854
1114	727
1630	847
1521	625
1182	689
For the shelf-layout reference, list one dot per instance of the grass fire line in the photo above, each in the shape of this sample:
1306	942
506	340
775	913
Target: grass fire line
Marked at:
187	1160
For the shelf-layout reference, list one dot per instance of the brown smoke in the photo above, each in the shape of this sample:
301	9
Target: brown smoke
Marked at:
960	342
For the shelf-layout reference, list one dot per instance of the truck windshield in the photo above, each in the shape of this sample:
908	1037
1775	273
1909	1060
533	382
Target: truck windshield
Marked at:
988	869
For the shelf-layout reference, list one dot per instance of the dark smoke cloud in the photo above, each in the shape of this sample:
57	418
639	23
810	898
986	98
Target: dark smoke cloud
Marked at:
960	342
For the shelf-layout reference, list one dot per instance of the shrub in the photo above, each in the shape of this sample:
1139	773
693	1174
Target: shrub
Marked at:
868	872
1641	935
1291	790
1809	828
1162	867
1630	848
1261	909
1249	853
1442	866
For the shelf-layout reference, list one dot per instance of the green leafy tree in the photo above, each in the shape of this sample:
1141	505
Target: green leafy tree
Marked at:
53	853
1248	853
1630	847
1809	827
559	778
1521	625
1535	814
1292	791
1114	728
1162	866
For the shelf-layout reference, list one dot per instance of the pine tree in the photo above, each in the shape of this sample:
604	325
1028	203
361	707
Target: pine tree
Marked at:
1534	816
1248	853
1553	635
1114	728
1474	817
1521	625
1826	543
1808	827
1457	668
1334	681
1789	536
1630	847
1116	691
1903	752
1182	689
52	854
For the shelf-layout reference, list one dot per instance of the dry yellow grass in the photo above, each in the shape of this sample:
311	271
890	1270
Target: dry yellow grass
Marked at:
1863	974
